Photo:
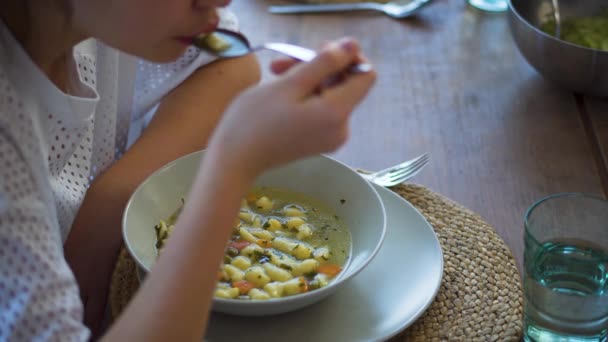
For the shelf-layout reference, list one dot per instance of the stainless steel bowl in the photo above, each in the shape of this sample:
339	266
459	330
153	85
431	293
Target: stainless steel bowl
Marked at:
577	68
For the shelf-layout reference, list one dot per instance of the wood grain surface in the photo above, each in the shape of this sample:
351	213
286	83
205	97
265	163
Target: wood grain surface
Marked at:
452	83
594	112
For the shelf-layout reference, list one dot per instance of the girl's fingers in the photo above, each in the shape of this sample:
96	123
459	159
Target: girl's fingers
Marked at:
361	59
280	65
306	78
344	96
338	78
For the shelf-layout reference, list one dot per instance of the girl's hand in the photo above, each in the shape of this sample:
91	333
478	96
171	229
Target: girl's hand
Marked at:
295	116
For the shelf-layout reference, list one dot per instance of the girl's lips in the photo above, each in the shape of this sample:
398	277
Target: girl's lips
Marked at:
185	40
208	29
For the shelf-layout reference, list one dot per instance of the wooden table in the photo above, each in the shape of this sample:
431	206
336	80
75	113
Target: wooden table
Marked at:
451	82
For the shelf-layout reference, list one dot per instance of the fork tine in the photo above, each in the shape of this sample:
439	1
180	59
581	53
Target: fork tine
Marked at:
401	166
390	181
410	168
406	175
410	165
405	171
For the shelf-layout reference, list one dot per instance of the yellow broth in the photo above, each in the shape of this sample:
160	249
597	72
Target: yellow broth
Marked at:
330	229
283	243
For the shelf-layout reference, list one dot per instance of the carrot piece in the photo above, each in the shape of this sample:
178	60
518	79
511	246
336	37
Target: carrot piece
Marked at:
329	269
239	244
251	198
244	286
220	275
303	284
264	243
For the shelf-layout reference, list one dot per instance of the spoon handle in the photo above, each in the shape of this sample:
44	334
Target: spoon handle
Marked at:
557	18
322	8
306	55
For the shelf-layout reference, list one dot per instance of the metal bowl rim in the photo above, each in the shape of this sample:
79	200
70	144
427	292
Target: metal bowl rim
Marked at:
550	37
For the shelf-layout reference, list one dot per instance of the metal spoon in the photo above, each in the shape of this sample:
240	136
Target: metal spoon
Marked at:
557	17
394	10
238	45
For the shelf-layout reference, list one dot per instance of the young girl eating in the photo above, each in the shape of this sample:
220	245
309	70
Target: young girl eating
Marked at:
79	81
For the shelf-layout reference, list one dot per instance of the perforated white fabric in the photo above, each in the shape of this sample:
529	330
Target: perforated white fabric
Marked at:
52	145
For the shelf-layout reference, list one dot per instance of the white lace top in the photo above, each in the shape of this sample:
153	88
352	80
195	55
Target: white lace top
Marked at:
51	146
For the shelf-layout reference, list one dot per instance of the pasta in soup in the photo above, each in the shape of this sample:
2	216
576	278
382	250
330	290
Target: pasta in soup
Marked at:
282	244
212	42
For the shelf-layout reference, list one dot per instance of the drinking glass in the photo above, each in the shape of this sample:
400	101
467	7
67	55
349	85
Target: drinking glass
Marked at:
490	5
566	269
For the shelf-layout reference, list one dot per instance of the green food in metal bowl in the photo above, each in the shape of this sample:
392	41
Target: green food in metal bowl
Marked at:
591	32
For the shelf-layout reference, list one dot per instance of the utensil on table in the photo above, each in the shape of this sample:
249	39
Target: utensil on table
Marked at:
399	173
238	45
557	17
394	10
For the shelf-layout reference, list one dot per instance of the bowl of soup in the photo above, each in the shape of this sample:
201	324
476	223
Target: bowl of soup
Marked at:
302	231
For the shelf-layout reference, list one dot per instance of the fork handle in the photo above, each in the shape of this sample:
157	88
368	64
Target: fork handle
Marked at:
321	8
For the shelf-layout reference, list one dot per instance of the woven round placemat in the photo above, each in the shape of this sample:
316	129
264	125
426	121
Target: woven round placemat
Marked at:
480	298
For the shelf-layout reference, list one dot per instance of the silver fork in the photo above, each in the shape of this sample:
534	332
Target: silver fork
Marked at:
395	10
399	173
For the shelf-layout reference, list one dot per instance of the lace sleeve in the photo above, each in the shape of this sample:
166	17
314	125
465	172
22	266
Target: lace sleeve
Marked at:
153	81
39	298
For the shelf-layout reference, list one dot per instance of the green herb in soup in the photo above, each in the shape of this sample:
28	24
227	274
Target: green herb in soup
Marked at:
164	228
283	243
591	32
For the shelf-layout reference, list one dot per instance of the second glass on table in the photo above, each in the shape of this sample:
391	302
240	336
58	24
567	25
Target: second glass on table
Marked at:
566	269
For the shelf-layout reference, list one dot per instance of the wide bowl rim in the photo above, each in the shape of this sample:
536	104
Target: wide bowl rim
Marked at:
537	30
273	301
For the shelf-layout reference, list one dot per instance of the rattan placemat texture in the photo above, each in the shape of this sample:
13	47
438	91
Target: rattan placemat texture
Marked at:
480	298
